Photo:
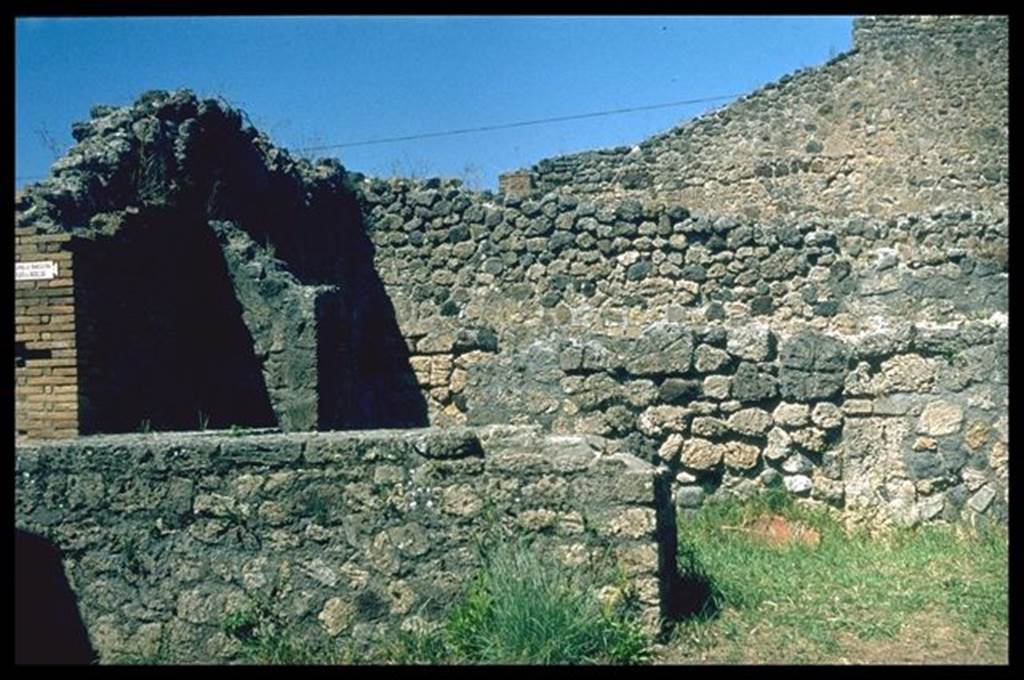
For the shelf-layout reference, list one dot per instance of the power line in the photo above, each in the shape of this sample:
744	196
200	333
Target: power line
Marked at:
505	126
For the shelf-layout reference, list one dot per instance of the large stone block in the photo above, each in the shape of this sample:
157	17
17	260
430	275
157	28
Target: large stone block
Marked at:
701	454
753	343
791	415
662	349
940	418
813	367
750	384
751	421
811	351
741	456
923	464
707	359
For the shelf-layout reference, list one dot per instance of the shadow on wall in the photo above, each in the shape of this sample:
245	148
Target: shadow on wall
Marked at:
687	592
163	340
364	374
48	628
314	224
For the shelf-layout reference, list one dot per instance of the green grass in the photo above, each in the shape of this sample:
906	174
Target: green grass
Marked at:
816	601
523	609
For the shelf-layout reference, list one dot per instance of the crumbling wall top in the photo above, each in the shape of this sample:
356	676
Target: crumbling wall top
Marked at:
902	32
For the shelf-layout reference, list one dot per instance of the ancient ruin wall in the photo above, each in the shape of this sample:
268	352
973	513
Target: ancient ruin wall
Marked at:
915	116
341	537
858	362
214	288
424	301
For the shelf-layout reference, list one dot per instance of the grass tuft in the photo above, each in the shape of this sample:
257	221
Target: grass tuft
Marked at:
522	609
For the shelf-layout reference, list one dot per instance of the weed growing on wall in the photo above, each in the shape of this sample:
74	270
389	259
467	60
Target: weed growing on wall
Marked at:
524	608
265	639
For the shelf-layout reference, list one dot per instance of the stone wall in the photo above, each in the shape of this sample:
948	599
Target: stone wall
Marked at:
807	289
915	116
343	535
427	302
695	341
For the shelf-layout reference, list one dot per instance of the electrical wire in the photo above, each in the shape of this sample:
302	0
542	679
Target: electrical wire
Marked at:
505	126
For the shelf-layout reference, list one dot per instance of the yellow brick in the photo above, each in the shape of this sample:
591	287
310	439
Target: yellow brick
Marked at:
61	406
55	380
43	294
63	418
52	238
52	327
50	363
60	257
54	309
49	433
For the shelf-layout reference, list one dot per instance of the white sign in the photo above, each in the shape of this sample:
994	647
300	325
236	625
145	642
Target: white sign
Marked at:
34	271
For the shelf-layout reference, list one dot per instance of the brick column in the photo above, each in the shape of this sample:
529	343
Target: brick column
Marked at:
45	363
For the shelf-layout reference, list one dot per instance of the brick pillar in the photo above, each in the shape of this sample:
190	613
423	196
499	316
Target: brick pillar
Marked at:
45	361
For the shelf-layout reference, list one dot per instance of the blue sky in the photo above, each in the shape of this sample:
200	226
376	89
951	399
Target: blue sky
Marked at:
310	81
